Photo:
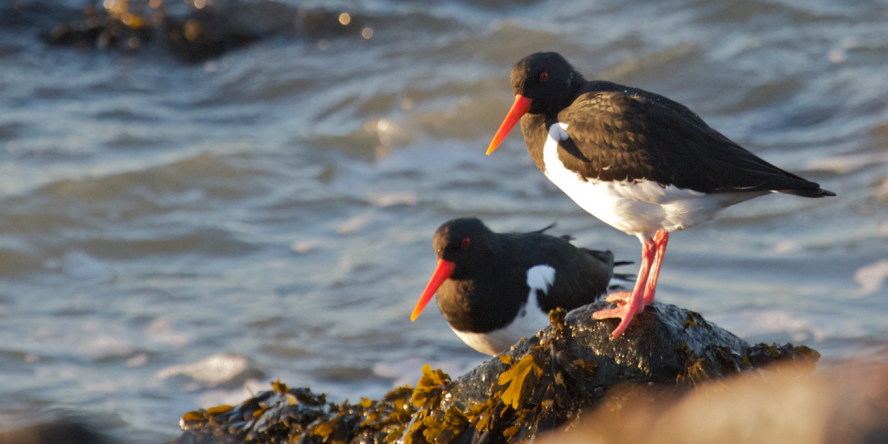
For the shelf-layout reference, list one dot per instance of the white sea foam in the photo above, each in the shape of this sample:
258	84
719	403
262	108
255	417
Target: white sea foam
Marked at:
306	246
800	326
212	370
353	224
234	396
392	199
871	278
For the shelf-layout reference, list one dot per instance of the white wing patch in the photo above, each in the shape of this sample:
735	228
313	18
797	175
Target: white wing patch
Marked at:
558	132
527	323
639	207
540	277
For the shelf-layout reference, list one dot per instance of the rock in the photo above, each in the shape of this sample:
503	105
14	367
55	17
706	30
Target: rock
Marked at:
543	382
63	431
208	32
846	404
193	34
659	347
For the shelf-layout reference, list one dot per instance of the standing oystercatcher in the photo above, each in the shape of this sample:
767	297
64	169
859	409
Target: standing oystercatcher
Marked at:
496	288
638	161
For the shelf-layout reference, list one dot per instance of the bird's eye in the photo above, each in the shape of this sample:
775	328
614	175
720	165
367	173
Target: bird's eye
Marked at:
464	243
544	76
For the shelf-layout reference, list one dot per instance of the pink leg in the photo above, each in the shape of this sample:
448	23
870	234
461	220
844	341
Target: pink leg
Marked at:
660	241
629	304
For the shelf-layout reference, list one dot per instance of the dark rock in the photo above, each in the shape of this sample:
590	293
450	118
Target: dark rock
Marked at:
192	34
55	432
543	382
788	404
208	32
102	30
659	347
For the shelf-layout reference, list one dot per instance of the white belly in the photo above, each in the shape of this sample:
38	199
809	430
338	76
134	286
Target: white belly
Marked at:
498	341
641	207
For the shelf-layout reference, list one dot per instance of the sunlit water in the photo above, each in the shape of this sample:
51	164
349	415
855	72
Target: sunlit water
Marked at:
172	235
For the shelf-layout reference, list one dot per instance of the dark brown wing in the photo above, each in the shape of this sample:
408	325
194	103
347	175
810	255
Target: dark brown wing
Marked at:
581	277
621	133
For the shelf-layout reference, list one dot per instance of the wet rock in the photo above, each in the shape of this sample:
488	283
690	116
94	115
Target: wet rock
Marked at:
665	344
55	432
209	32
285	415
791	405
192	33
103	30
543	382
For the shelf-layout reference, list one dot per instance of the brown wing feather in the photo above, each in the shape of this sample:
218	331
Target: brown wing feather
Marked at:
621	133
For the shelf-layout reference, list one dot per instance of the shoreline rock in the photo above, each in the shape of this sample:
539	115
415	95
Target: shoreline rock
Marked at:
547	381
193	34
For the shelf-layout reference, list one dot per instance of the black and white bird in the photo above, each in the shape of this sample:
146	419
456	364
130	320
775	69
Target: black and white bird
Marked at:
642	163
496	288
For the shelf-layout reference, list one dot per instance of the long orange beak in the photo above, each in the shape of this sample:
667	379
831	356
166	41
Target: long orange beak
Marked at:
442	272
519	108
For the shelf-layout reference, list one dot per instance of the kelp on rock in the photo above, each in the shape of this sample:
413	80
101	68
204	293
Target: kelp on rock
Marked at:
545	382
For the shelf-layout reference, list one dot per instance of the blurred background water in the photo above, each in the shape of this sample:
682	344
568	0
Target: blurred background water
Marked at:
173	235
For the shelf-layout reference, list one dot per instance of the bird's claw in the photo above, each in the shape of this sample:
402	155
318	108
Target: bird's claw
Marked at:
628	305
620	297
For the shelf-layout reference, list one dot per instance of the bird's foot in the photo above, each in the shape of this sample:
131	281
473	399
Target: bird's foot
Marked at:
628	305
620	297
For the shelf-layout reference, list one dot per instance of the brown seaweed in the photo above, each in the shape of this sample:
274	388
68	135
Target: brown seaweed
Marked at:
543	383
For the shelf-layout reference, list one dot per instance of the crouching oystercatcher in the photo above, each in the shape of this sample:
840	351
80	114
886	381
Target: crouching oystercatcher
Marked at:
642	163
496	288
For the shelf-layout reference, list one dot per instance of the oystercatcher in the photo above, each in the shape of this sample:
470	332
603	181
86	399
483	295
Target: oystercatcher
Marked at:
496	288
642	163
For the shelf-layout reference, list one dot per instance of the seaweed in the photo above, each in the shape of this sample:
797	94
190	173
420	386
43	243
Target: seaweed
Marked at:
543	383
532	393
278	415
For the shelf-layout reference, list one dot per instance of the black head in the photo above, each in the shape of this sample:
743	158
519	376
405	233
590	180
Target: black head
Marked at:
463	242
543	83
462	245
547	79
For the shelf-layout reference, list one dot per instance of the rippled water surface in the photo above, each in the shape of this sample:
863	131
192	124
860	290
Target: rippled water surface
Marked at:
173	235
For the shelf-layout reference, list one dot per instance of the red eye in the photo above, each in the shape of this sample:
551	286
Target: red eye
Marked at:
464	243
544	76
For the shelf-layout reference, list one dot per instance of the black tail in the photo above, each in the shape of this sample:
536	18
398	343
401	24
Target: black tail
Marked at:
810	192
605	257
543	230
625	276
615	283
628	277
566	237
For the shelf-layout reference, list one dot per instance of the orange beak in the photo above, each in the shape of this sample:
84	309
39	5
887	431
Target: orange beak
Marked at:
442	272
519	108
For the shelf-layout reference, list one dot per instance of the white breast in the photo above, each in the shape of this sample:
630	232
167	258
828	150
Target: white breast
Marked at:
639	207
529	321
